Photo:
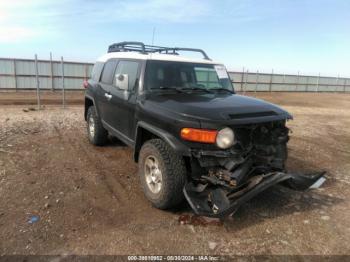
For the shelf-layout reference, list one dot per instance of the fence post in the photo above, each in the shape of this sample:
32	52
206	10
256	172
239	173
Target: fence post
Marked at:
256	80
297	83
242	80
15	73
307	84
63	90
345	81
86	72
37	81
271	78
318	81
51	70
245	82
336	83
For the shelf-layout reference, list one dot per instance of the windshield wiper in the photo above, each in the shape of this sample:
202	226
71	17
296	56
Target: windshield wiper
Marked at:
195	88
222	89
182	89
168	88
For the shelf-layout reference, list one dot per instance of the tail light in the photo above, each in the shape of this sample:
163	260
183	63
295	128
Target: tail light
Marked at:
85	83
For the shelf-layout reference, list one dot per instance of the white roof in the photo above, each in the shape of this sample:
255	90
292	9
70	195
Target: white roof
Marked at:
153	56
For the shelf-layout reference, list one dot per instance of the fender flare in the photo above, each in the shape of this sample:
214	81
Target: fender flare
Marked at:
172	141
94	104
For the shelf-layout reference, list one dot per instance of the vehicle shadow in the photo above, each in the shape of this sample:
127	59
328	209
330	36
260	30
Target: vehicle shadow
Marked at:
278	202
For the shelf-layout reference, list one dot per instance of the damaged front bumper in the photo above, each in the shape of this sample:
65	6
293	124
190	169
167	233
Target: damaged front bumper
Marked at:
223	180
213	200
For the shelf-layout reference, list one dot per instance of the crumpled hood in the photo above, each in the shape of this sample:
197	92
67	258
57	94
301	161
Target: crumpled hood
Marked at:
216	107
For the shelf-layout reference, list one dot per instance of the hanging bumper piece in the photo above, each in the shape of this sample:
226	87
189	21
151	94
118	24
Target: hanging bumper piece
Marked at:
215	199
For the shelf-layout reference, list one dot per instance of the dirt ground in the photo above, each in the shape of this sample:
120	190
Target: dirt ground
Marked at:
88	199
28	97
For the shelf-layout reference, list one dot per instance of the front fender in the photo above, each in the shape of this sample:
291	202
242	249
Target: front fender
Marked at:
172	141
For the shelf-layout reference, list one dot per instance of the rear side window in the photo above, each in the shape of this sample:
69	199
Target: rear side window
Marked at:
108	72
130	68
96	71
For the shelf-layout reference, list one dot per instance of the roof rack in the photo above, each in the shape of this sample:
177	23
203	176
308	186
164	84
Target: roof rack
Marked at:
146	49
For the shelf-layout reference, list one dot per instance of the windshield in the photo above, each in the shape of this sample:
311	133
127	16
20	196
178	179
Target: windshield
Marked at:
182	75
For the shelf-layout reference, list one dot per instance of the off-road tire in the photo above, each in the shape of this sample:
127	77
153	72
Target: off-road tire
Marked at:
173	171
100	134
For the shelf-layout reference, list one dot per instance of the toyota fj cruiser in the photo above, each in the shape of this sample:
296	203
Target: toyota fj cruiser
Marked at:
192	136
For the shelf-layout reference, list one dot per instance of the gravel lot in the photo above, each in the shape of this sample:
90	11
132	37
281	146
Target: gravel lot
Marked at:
88	199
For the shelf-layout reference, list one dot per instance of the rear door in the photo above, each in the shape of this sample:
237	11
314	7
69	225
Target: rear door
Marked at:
104	90
123	102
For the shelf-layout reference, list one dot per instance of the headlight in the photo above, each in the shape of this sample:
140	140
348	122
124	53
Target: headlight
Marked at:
225	138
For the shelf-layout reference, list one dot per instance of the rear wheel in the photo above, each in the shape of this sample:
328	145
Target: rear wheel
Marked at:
97	134
162	174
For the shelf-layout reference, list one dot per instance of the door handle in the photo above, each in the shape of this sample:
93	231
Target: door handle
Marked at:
108	96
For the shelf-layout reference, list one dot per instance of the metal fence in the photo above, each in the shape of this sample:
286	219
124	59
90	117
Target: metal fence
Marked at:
247	82
21	74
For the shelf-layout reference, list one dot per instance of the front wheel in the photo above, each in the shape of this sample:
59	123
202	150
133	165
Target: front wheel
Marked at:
162	173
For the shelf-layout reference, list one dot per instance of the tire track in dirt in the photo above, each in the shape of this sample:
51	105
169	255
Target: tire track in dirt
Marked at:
97	162
100	164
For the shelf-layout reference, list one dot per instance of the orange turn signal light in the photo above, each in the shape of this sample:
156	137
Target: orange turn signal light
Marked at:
199	135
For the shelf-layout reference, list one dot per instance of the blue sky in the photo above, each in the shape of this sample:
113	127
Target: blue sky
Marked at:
288	36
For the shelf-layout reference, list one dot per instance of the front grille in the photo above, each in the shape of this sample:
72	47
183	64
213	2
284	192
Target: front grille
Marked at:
264	133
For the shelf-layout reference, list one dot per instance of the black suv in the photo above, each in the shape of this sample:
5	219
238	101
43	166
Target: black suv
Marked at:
192	135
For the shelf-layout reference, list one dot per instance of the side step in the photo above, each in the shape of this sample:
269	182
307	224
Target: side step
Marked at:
215	201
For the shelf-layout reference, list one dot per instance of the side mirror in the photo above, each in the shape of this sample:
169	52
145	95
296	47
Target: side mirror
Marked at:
122	81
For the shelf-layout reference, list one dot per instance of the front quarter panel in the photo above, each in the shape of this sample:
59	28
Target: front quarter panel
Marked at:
166	120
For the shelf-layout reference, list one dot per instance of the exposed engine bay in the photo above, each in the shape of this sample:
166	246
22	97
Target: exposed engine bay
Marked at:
223	180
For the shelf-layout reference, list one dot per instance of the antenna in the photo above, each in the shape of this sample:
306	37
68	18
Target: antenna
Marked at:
154	32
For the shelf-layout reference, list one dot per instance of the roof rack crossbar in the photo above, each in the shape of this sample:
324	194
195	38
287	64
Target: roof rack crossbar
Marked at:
175	49
127	46
144	49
